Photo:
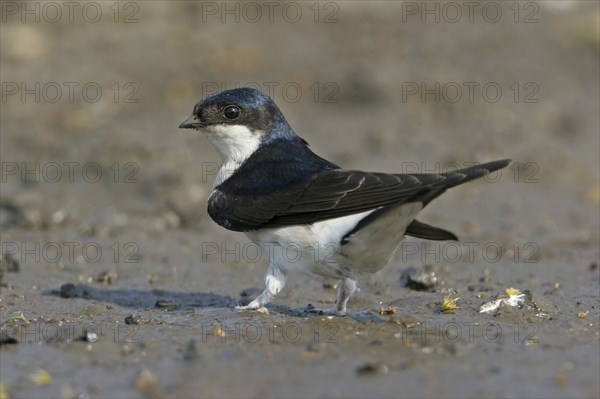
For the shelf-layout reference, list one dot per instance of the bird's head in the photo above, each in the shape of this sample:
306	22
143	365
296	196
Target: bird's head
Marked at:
239	121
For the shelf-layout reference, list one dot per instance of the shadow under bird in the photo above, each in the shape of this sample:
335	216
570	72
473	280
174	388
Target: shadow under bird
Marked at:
271	186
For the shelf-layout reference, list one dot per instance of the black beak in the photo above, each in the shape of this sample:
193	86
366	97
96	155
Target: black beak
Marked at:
191	123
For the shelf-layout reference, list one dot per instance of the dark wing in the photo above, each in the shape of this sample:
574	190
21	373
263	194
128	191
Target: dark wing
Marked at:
329	194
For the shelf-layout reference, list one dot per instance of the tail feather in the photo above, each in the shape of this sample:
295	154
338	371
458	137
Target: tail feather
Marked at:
453	179
461	176
428	232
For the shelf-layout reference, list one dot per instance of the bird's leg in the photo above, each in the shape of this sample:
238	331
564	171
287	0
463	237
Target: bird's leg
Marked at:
347	288
274	281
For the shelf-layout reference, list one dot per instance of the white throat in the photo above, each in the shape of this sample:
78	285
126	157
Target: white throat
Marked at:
235	144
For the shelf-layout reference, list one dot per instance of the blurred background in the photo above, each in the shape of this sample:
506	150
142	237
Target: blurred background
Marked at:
93	92
368	85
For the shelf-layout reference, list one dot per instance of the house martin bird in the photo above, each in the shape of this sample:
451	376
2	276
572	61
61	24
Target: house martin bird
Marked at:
307	212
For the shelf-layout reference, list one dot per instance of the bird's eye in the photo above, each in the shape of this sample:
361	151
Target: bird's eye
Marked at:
231	112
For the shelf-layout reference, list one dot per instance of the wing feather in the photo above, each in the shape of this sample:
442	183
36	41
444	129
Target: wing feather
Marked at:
330	194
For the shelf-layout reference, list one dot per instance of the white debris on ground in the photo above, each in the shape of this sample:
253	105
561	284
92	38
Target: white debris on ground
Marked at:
514	298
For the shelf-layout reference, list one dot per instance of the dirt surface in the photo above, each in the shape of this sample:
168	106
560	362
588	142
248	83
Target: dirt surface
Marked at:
115	282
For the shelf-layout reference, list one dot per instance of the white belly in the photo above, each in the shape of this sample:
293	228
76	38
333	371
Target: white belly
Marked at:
317	248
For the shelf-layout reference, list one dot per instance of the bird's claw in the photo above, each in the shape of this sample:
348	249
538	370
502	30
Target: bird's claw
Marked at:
260	309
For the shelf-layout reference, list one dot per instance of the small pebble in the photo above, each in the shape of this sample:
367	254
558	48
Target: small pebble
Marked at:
147	381
132	320
372	369
166	304
418	280
387	310
560	378
107	277
41	377
11	264
89	336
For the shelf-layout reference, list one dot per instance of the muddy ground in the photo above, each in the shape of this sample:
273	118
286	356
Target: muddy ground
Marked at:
115	282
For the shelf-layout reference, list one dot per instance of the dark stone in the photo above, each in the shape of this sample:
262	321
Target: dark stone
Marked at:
8	340
132	320
68	290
